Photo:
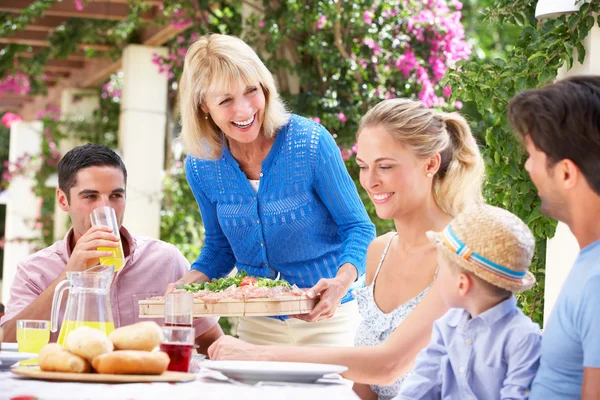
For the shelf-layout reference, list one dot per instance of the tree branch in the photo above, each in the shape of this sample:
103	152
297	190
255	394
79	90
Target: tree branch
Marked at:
337	33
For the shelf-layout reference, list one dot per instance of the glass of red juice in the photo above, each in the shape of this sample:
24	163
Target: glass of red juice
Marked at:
178	344
179	309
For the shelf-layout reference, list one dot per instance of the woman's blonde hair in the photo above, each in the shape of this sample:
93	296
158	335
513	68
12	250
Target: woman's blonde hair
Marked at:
457	183
217	62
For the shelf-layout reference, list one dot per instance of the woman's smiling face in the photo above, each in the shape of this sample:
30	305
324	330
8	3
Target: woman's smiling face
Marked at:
393	176
238	112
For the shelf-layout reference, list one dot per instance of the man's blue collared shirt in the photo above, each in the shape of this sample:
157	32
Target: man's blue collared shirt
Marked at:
492	356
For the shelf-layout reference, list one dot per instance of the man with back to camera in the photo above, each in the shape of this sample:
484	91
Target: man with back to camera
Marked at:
92	176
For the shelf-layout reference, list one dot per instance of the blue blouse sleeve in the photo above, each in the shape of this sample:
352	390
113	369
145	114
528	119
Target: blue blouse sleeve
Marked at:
336	189
216	258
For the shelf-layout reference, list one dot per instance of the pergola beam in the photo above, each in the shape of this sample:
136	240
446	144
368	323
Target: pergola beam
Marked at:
108	10
39	39
64	65
45	24
79	56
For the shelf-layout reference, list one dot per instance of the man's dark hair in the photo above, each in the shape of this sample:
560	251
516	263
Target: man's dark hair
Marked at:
85	156
563	121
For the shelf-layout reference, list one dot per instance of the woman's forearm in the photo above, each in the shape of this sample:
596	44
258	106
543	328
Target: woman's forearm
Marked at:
369	365
193	276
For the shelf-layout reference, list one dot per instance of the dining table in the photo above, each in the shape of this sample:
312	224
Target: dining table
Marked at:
207	385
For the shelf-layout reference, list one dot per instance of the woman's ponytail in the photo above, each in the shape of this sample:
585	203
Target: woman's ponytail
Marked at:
460	177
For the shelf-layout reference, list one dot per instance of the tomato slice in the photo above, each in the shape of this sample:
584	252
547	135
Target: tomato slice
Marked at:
248	281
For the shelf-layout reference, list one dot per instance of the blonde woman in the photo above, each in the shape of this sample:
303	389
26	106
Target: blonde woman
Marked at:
420	169
274	194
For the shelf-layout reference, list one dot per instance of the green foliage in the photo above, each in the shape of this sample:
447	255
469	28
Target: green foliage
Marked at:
345	64
9	23
4	147
180	218
490	38
486	89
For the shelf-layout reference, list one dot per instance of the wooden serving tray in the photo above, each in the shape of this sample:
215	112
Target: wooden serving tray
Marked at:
37	373
284	305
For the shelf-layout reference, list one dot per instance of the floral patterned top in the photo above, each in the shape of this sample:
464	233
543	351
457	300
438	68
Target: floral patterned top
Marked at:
377	326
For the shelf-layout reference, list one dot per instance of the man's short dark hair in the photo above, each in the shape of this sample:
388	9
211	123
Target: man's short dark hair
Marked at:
85	156
563	121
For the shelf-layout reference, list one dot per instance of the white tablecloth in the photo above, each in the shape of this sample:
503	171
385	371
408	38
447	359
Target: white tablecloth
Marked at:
202	388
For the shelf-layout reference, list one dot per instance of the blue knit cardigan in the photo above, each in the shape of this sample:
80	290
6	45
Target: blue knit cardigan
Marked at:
304	223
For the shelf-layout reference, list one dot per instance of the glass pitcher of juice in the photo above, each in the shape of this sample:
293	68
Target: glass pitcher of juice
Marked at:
88	303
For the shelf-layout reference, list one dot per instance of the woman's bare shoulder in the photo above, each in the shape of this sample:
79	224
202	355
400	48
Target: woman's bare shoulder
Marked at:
374	253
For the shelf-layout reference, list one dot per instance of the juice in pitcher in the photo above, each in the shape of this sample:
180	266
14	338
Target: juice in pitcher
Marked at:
88	303
70	326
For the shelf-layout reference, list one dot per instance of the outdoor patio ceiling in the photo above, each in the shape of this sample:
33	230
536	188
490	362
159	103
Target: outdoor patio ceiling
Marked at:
77	70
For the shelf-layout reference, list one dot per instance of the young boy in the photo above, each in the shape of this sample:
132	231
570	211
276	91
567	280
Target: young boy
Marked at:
484	347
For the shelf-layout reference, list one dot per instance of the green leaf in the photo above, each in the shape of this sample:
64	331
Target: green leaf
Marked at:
580	52
536	55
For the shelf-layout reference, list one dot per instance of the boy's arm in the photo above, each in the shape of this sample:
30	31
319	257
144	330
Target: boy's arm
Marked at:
523	359
425	380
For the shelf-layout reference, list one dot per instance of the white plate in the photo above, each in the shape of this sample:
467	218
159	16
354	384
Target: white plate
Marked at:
6	346
256	371
8	358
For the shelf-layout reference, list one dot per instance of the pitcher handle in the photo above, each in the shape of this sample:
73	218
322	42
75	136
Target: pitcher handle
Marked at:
56	300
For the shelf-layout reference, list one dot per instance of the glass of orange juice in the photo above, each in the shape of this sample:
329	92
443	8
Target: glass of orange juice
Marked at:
106	216
32	335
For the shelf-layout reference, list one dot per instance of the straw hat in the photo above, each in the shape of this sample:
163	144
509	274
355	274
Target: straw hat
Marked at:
492	243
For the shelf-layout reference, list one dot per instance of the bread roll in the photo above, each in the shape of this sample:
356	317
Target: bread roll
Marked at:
132	362
54	358
141	336
88	342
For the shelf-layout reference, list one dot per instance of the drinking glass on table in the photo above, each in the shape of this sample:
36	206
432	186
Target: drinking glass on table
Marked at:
179	309
106	216
32	335
178	344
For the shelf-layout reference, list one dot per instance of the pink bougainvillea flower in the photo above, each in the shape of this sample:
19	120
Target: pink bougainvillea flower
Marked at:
346	153
181	23
321	22
457	4
17	83
447	92
51	112
261	23
368	17
458	104
10	118
342	117
317	120
79	5
407	63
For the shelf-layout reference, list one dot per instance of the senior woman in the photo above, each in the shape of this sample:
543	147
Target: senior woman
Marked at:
275	197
